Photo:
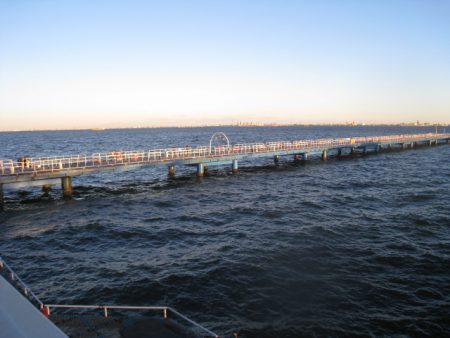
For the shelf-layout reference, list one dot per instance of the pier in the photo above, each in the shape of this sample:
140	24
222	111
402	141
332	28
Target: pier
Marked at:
44	171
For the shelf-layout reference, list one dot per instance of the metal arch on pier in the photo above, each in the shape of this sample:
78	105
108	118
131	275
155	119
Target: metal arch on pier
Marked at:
218	137
66	166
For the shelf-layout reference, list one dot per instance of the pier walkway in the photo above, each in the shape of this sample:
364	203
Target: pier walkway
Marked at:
219	152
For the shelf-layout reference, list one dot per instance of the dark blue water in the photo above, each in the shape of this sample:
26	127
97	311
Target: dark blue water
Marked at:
351	247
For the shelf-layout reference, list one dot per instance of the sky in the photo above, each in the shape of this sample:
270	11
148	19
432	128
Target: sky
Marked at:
93	64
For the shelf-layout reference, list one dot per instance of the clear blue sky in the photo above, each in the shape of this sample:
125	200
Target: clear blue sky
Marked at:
75	64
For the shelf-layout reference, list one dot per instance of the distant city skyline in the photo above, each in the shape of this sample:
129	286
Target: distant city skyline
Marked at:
438	127
112	64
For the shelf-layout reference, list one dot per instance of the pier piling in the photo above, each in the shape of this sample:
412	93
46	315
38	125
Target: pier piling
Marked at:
46	188
276	159
1	197
305	157
200	170
234	166
171	171
66	186
324	155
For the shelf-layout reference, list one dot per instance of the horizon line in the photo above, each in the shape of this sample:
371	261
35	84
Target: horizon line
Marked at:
242	125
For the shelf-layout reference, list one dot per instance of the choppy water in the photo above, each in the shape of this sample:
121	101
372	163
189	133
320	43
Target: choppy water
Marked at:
351	247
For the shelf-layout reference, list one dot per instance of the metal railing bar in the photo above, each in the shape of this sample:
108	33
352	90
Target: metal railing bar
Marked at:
124	307
27	291
21	283
193	323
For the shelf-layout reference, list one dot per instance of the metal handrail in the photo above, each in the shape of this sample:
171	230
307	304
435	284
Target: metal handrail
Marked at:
37	165
19	283
105	308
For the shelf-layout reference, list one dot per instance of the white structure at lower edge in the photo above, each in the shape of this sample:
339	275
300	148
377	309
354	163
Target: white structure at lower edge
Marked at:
20	319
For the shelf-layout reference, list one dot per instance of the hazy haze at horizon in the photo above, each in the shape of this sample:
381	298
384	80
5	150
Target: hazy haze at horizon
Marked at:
92	64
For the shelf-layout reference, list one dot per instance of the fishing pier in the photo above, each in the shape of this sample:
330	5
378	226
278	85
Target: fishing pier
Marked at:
44	171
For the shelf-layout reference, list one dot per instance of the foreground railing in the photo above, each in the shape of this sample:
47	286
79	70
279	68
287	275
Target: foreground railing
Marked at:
20	285
27	165
107	308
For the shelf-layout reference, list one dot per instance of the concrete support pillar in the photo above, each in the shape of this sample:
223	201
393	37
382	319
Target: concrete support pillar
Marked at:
404	146
66	186
234	166
412	145
305	157
171	171
377	148
200	170
276	159
324	155
1	197
431	143
46	188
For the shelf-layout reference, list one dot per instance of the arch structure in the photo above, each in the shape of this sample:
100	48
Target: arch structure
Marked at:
218	139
